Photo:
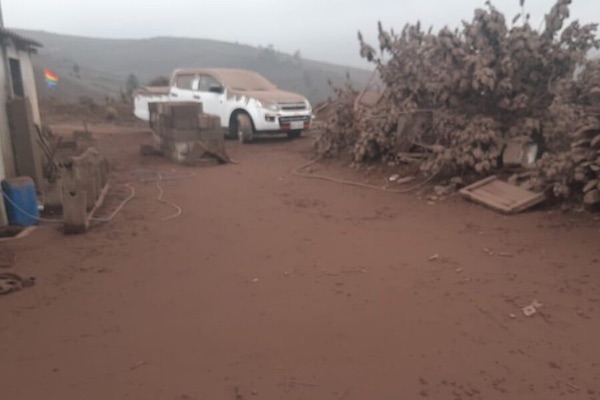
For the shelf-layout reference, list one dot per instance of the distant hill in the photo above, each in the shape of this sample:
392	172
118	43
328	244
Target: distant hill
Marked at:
99	67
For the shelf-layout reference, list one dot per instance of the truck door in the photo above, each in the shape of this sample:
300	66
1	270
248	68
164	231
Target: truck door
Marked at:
212	95
183	88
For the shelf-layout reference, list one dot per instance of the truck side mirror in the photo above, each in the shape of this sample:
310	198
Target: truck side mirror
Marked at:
216	89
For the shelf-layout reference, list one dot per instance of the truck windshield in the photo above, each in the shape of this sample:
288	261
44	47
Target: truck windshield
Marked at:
247	81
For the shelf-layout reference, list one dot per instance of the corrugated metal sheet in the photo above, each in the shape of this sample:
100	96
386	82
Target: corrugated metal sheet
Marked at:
5	33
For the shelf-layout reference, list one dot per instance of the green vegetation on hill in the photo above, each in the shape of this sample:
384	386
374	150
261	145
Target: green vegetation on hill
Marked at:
100	67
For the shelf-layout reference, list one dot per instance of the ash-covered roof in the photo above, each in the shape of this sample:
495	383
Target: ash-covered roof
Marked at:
22	40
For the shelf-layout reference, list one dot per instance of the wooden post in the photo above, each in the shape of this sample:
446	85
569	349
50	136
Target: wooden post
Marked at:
75	212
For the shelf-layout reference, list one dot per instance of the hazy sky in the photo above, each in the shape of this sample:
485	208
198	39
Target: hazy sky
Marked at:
320	29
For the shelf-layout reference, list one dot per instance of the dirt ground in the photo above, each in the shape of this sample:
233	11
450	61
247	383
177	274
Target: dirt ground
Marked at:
270	286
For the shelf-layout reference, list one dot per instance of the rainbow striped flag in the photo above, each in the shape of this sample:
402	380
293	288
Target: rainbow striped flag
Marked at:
51	78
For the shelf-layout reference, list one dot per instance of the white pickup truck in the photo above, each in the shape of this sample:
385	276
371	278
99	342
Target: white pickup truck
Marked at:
246	102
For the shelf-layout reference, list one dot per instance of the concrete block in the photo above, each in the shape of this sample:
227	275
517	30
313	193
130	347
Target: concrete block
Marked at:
91	172
213	140
209	121
180	109
185	123
182	135
165	121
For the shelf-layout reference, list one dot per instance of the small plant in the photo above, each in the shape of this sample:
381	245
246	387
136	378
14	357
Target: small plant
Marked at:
111	113
88	102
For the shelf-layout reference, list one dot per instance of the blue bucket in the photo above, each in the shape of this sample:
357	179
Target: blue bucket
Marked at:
20	199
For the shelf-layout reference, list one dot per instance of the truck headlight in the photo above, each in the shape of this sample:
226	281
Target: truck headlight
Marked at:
308	106
269	105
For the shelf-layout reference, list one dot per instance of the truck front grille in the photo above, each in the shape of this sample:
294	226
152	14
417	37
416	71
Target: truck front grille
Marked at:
293	106
289	120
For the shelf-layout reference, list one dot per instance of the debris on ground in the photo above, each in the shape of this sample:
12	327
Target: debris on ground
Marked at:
434	257
532	309
138	365
492	96
502	196
10	283
185	134
7	258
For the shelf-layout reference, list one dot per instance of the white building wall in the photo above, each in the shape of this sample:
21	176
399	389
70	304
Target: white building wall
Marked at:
29	84
7	164
7	161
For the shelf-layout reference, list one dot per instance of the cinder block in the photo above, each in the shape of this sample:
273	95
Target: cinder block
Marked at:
180	109
182	135
153	108
209	121
187	111
91	173
214	141
165	121
186	122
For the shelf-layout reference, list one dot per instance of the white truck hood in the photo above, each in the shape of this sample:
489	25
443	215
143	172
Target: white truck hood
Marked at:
269	95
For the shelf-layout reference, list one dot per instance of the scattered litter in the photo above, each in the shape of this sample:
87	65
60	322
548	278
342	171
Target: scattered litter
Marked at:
491	252
138	365
10	283
238	394
529	311
255	280
570	385
532	309
459	270
394	178
406	179
434	257
506	255
513	316
441	190
537	304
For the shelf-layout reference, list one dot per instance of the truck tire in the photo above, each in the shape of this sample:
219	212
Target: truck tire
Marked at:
245	130
294	134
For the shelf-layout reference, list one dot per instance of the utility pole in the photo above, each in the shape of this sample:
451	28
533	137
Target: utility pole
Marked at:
1	17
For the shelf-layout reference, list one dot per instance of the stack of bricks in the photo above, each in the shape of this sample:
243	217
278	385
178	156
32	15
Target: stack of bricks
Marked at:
185	134
84	186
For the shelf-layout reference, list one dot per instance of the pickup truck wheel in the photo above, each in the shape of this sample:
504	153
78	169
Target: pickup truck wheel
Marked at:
294	134
245	130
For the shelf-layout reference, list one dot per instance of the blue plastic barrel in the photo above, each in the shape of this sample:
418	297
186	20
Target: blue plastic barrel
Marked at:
21	201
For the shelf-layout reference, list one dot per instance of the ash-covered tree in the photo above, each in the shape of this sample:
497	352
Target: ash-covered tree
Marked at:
131	84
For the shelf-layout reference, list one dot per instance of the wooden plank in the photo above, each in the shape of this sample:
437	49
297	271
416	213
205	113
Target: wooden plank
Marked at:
487	200
501	196
528	203
481	183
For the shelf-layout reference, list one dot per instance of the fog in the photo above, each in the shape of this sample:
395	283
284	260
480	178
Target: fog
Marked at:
321	30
